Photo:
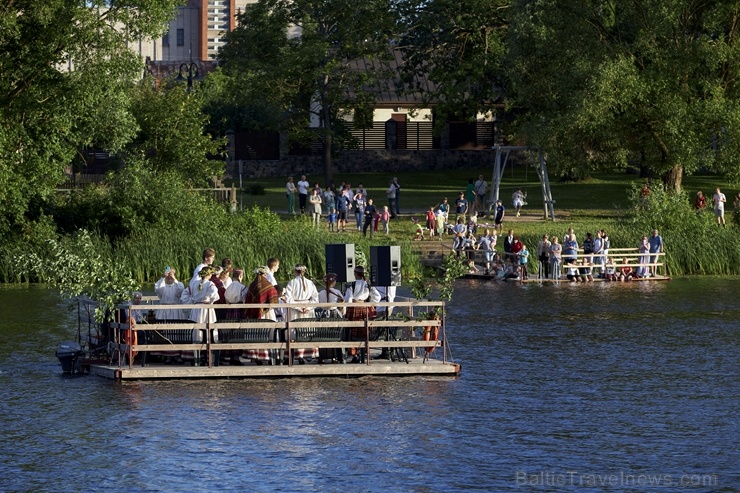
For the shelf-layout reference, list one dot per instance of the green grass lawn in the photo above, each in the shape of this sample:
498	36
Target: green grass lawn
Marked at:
602	196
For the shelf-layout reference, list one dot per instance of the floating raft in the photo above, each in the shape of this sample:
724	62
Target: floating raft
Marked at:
383	368
412	343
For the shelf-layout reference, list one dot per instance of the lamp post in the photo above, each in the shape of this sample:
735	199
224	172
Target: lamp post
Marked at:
191	69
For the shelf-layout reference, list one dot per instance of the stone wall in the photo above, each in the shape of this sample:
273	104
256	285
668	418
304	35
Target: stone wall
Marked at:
368	161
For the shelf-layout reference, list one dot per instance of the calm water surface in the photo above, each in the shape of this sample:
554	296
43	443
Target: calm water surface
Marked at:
597	387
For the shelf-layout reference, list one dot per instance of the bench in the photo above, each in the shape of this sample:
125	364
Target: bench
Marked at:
257	333
166	337
321	333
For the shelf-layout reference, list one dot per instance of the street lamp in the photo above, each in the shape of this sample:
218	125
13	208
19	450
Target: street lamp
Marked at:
191	69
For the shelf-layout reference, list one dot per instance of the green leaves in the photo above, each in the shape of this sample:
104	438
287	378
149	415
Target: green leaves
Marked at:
611	84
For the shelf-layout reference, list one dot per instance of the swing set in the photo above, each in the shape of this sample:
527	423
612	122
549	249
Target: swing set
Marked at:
499	165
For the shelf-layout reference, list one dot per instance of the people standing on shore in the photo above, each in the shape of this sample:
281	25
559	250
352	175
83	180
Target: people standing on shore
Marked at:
480	187
508	241
315	201
359	202
391	194
397	211
369	212
543	255
487	244
556	256
499	218
719	200
290	191
302	186
570	247
656	246
701	201
461	207
385	219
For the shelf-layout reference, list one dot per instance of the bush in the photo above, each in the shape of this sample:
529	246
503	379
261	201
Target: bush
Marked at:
256	189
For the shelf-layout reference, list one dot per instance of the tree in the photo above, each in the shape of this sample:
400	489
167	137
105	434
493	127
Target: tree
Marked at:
608	83
305	56
171	133
66	73
452	53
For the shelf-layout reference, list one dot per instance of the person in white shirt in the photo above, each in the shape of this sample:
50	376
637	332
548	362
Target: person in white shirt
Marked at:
719	200
303	193
169	290
209	254
517	199
301	290
331	295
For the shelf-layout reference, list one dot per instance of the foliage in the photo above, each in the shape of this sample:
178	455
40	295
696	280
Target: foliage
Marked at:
303	57
694	243
171	135
66	70
453	268
605	84
79	265
256	189
452	54
130	201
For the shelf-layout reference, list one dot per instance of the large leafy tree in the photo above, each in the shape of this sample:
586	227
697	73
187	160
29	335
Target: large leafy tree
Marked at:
66	75
648	82
452	53
305	59
171	133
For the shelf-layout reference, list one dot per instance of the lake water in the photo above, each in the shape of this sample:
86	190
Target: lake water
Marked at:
598	387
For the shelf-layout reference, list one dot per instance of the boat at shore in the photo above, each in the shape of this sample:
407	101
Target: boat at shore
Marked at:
409	342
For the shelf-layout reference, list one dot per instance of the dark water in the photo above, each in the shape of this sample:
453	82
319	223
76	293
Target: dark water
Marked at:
599	387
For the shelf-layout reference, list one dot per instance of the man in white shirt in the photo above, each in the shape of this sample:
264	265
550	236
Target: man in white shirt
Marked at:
719	200
302	193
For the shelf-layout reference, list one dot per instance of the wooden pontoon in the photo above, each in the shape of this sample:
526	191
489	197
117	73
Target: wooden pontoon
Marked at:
402	337
615	258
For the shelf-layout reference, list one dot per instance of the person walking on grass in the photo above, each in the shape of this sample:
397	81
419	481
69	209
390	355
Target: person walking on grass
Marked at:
719	200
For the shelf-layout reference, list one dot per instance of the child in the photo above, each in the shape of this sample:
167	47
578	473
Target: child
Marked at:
523	259
431	222
333	219
385	218
473	223
440	220
419	229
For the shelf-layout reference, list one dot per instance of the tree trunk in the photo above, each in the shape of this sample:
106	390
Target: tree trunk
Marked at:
327	123
328	164
672	179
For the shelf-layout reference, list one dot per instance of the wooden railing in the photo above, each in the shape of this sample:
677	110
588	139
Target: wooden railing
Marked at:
412	317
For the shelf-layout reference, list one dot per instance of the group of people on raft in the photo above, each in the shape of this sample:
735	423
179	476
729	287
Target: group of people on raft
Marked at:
223	285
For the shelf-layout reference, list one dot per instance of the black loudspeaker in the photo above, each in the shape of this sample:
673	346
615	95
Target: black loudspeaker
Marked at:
340	259
385	265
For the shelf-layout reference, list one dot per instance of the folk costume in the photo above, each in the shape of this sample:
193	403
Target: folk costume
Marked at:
261	291
302	290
